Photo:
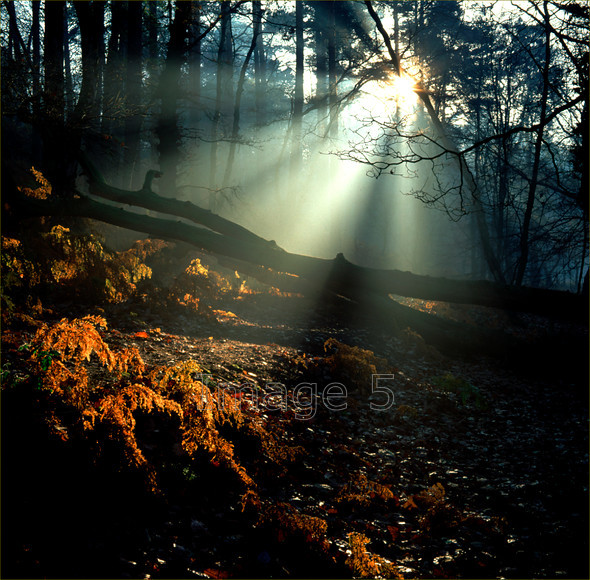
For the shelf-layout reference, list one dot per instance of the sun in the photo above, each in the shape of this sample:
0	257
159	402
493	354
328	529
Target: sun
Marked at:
389	100
396	95
404	87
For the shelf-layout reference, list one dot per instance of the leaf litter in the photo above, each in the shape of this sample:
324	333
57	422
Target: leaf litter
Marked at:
476	469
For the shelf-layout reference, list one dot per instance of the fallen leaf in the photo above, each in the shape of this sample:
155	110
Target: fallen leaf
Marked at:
215	573
410	504
393	532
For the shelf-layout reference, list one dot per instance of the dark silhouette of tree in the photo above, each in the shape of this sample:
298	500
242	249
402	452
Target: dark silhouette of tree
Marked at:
167	130
91	19
224	89
195	63
240	91
133	91
332	72
297	112
55	148
321	65
36	74
113	119
259	65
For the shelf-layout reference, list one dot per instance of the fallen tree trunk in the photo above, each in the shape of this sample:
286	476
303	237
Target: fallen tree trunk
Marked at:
147	199
268	254
293	272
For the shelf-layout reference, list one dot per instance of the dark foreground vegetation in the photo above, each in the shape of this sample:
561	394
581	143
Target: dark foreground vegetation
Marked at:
145	434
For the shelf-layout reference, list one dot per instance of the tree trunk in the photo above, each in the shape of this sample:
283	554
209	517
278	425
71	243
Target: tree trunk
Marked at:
53	134
224	89
239	91
153	75
167	130
526	223
69	95
37	146
297	114
152	33
54	56
195	61
259	65
332	73
36	59
321	68
133	117
91	20
15	41
114	87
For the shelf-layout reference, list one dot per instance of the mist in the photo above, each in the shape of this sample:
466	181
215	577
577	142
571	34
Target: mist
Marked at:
323	205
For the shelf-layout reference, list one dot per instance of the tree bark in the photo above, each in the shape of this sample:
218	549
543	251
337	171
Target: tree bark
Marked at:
15	41
168	131
55	148
36	55
91	20
526	223
239	91
53	53
69	94
224	88
333	103
321	67
195	61
259	65
152	43
114	88
297	110
37	146
133	116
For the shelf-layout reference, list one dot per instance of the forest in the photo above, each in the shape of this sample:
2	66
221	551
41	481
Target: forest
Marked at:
294	289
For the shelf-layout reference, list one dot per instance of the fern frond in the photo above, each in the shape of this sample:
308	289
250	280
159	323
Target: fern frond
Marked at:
76	340
368	565
41	192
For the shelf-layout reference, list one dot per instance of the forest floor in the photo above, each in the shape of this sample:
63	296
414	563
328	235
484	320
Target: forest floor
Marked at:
474	468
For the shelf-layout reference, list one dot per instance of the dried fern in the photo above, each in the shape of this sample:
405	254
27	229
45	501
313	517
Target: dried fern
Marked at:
204	411
43	191
76	340
80	261
354	366
289	522
106	402
361	491
364	564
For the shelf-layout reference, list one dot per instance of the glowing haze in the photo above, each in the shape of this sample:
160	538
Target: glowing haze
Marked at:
330	205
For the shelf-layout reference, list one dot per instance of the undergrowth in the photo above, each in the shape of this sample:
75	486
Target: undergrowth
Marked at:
289	523
353	366
365	564
361	492
89	390
65	263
